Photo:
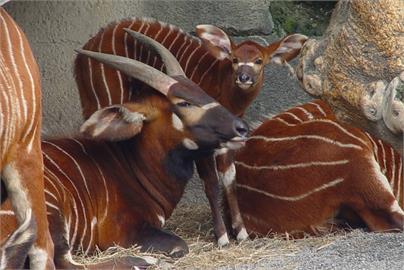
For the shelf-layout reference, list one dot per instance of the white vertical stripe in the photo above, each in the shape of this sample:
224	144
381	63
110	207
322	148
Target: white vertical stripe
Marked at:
196	67
392	168
207	71
319	108
90	74
102	177
190	57
309	115
383	157
104	80
72	197
117	71
125	39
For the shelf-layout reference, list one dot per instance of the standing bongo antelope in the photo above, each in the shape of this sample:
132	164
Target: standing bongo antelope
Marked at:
230	73
122	189
21	166
303	168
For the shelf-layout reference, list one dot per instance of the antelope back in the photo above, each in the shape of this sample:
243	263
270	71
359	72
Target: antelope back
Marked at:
20	96
101	86
300	168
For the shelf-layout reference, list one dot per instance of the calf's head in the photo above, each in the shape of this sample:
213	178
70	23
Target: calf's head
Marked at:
183	114
249	58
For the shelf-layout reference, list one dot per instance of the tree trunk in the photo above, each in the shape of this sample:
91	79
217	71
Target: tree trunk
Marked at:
358	66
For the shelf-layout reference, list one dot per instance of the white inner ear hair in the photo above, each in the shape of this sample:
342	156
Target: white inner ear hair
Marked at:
177	123
131	117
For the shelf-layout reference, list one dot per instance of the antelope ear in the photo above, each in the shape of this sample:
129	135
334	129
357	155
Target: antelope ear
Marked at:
285	49
215	39
114	123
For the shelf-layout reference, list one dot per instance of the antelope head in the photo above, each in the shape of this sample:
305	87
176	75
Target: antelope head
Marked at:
249	58
193	116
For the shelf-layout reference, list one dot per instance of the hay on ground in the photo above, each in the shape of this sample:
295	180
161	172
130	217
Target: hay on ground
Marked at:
193	223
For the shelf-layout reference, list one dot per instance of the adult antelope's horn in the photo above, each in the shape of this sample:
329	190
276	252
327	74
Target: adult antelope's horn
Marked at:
138	70
173	67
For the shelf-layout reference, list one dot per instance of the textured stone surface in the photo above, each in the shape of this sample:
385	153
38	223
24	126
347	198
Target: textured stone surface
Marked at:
56	28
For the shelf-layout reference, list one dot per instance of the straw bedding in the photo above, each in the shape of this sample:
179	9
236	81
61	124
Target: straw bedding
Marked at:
194	224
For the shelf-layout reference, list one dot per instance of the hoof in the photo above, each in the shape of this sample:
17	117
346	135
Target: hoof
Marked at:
179	252
242	235
223	240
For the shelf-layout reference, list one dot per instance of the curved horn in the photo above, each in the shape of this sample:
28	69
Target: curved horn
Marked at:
173	67
138	70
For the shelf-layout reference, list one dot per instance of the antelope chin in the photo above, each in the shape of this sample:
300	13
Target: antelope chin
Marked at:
245	85
234	144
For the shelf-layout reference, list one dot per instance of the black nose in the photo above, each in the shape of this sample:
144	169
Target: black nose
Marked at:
240	128
244	78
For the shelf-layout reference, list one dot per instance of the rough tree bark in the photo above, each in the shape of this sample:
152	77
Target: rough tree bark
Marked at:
358	66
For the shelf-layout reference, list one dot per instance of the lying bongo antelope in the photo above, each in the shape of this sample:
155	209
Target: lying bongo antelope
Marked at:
231	73
302	168
122	189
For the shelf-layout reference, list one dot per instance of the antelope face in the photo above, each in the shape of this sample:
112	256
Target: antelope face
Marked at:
210	124
248	64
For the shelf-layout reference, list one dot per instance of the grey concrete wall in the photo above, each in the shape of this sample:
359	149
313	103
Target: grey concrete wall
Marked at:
56	28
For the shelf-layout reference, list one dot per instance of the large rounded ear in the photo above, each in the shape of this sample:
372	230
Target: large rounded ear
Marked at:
285	49
215	39
114	123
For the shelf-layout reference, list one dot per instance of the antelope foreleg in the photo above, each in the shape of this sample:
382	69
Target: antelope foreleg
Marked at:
207	171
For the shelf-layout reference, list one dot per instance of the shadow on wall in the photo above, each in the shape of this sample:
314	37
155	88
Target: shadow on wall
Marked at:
56	28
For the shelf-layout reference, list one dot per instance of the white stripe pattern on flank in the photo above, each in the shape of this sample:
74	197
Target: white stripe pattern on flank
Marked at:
52	206
283	121
183	44
51	194
375	149
32	83
312	137
293	198
293	166
125	39
326	121
307	113
102	177
77	192
82	176
293	115
319	108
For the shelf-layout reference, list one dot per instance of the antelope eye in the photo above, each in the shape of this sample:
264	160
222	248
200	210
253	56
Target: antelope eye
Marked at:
258	61
184	104
235	61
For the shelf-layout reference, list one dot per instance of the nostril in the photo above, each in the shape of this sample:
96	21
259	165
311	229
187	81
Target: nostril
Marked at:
243	78
241	128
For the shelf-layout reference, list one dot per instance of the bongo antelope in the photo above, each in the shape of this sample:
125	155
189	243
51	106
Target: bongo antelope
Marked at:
302	168
21	166
230	73
121	186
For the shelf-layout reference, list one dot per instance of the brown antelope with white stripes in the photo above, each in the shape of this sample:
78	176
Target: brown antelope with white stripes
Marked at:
230	73
122	189
302	169
21	166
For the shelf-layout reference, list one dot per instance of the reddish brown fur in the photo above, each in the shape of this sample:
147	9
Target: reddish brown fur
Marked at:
199	60
129	185
20	151
360	191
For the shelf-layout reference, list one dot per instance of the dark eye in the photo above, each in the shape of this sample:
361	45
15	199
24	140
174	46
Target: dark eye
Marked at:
258	61
235	61
184	104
